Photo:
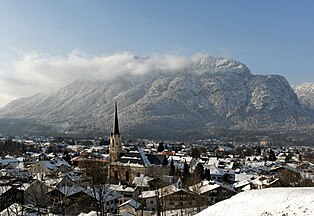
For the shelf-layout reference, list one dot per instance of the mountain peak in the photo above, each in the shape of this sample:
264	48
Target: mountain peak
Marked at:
220	64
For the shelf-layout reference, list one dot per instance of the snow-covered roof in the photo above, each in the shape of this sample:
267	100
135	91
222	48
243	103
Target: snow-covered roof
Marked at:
214	170
24	186
148	194
141	181
92	213
70	190
51	181
143	156
8	160
165	191
212	161
133	203
242	176
209	187
121	188
4	189
55	163
263	180
14	209
241	183
204	187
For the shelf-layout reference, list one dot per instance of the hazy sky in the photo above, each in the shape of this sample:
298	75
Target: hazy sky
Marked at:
47	44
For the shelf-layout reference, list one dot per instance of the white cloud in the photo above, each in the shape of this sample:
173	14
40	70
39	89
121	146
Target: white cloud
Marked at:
35	72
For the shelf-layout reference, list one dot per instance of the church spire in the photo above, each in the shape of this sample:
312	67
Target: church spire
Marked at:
115	129
115	139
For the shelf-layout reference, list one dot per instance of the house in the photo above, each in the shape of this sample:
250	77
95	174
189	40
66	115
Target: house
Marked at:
149	199
65	181
4	161
168	198
46	168
141	182
262	182
212	192
35	193
82	200
287	175
111	199
242	185
71	199
160	181
131	207
126	192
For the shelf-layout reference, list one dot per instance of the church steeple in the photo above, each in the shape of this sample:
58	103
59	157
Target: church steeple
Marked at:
115	129
115	138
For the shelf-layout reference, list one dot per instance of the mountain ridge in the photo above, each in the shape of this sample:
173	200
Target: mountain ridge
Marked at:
305	94
213	92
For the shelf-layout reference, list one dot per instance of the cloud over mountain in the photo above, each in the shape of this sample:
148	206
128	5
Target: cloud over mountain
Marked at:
35	72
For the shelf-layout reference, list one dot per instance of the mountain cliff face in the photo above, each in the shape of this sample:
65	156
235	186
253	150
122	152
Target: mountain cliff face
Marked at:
305	94
186	102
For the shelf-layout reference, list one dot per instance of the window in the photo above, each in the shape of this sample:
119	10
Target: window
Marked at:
152	202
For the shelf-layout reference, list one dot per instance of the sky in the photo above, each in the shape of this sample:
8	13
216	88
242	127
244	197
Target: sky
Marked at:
45	44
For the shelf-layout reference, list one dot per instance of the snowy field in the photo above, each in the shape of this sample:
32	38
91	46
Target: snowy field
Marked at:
267	202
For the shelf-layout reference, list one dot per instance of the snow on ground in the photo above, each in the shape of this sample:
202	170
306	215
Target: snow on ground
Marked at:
266	202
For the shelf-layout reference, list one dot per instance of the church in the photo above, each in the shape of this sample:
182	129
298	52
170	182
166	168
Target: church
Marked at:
128	162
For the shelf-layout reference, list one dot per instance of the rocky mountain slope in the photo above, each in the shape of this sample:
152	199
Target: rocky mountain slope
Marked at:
186	102
305	94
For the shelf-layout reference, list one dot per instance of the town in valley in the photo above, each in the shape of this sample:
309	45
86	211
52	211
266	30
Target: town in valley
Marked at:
116	176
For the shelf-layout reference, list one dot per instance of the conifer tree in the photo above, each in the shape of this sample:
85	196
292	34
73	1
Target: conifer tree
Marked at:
186	170
272	156
199	170
160	147
172	168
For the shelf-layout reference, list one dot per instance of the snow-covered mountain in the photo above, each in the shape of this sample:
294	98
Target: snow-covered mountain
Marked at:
185	102
305	94
266	202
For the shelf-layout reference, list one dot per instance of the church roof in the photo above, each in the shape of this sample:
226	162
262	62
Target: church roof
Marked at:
156	159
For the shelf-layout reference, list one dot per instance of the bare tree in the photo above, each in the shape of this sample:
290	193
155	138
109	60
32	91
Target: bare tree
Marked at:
9	196
160	191
61	203
196	186
98	173
35	195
